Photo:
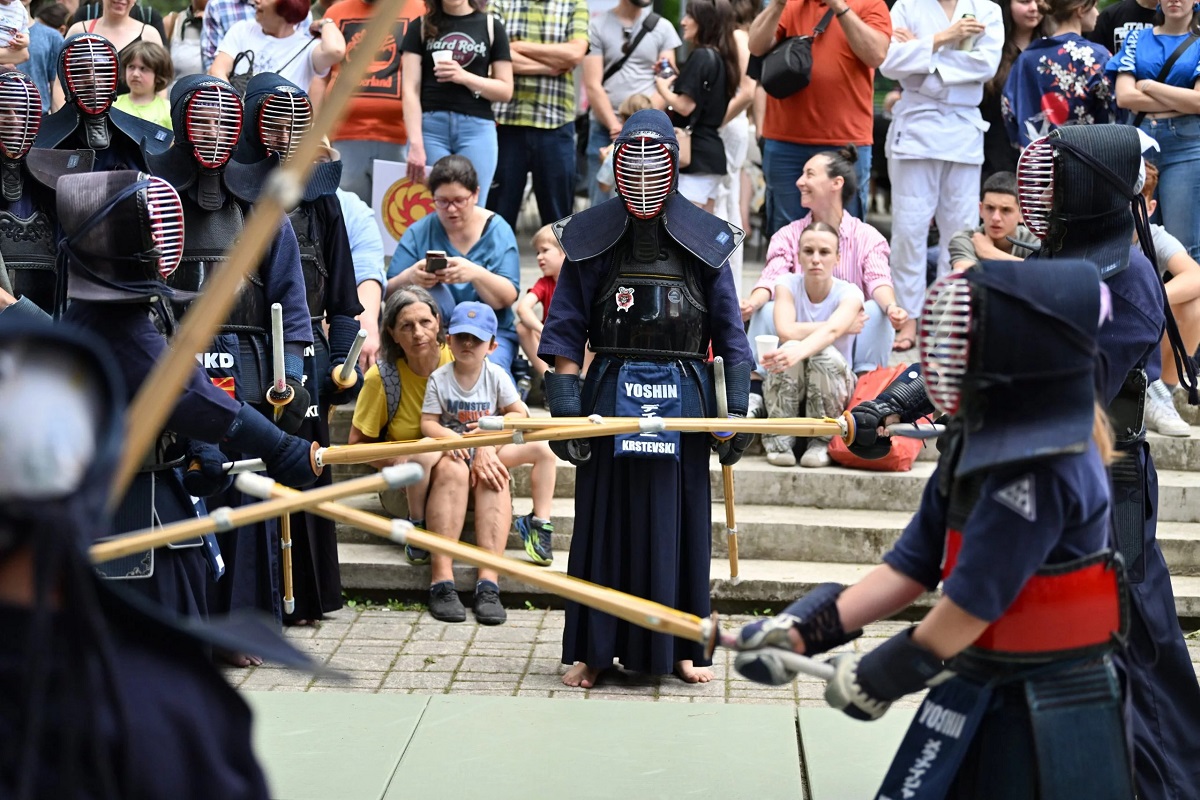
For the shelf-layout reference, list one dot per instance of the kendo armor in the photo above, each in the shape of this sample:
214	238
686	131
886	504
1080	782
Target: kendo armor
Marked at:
207	116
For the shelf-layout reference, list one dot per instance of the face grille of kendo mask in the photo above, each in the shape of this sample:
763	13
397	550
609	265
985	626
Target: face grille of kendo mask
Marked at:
214	123
944	340
1035	186
644	171
166	224
90	68
283	120
20	114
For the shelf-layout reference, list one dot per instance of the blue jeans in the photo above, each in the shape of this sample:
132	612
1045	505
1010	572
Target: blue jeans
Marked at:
549	153
597	137
358	163
1179	173
783	163
450	133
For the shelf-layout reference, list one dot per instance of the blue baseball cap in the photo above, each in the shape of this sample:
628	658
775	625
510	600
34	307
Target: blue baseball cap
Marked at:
474	318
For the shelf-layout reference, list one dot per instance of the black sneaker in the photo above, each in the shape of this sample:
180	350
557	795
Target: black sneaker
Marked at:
444	604
415	555
488	610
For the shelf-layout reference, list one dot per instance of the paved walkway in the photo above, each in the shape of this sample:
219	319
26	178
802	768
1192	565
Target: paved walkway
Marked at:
378	650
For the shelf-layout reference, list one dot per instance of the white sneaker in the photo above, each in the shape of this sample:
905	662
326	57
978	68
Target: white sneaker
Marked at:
785	459
817	454
1161	414
756	408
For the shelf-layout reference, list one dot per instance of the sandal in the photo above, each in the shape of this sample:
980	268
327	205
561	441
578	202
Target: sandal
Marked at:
903	344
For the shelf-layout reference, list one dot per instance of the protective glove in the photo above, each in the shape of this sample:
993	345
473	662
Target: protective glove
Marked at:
563	397
342	331
864	686
286	456
291	416
729	451
205	475
905	397
868	417
815	617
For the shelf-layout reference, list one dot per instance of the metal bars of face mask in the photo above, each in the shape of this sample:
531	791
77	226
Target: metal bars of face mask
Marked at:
282	120
166	224
214	123
91	73
644	171
1035	186
944	340
20	114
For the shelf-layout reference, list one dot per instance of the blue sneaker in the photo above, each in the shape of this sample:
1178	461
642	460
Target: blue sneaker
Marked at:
415	555
537	540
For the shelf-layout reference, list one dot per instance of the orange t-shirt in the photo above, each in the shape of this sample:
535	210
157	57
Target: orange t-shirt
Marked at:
376	112
837	106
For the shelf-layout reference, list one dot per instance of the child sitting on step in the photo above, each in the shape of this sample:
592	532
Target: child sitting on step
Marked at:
471	387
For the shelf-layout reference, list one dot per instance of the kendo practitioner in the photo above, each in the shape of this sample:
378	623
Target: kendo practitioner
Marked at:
87	70
278	114
1024	699
216	192
27	216
102	694
1076	188
646	283
122	237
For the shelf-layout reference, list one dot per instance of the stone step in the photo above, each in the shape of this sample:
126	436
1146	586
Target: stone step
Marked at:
781	533
765	585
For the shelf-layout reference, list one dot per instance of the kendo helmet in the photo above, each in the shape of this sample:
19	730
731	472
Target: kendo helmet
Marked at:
122	235
646	163
20	119
1011	354
87	70
279	113
1077	187
206	114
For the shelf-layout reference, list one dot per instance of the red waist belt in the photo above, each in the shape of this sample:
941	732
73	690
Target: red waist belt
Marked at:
1074	606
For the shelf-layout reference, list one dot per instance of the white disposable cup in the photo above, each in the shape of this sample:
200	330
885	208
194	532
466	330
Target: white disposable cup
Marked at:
765	344
441	55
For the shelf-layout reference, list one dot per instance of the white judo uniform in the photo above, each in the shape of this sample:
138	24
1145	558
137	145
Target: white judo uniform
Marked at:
935	143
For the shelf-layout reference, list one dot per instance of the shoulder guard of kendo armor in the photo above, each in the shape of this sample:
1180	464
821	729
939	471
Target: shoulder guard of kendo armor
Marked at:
46	165
150	138
595	230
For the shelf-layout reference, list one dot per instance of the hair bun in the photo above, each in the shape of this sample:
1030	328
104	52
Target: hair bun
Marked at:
849	152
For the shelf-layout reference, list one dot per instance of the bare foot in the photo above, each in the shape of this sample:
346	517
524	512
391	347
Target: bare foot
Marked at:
239	659
581	675
692	674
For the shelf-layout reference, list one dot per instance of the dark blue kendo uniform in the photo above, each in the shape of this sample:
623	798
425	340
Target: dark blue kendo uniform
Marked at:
1162	682
644	525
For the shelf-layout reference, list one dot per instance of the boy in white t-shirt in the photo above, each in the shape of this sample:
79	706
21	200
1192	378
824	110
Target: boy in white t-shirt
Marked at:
460	393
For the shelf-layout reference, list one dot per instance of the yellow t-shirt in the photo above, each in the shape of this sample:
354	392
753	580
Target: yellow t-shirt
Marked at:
157	110
370	412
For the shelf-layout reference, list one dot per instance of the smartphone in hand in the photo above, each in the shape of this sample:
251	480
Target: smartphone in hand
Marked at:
435	260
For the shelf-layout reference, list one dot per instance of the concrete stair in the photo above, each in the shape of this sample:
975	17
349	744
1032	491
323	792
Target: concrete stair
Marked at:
796	527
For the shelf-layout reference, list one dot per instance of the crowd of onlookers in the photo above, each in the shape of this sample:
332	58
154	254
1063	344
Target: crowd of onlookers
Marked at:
930	102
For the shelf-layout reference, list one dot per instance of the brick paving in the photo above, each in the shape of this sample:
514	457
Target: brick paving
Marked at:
378	650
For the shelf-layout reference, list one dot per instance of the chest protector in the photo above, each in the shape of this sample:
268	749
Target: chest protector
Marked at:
654	310
1064	610
207	235
30	254
312	261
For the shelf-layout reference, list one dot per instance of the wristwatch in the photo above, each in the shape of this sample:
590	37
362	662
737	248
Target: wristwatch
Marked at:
323	22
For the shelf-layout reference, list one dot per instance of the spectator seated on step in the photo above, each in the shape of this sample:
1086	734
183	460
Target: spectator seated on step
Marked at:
478	253
412	346
816	316
457	396
1001	236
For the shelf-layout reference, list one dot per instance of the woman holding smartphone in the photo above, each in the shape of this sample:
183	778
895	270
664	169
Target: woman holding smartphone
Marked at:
475	248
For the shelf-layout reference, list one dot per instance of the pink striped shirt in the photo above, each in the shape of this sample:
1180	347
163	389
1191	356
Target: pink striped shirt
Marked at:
863	261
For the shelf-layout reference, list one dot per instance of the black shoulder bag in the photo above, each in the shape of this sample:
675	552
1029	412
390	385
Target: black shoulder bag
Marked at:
788	67
1166	70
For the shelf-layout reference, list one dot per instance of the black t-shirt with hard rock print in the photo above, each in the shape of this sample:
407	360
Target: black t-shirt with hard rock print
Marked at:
466	38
